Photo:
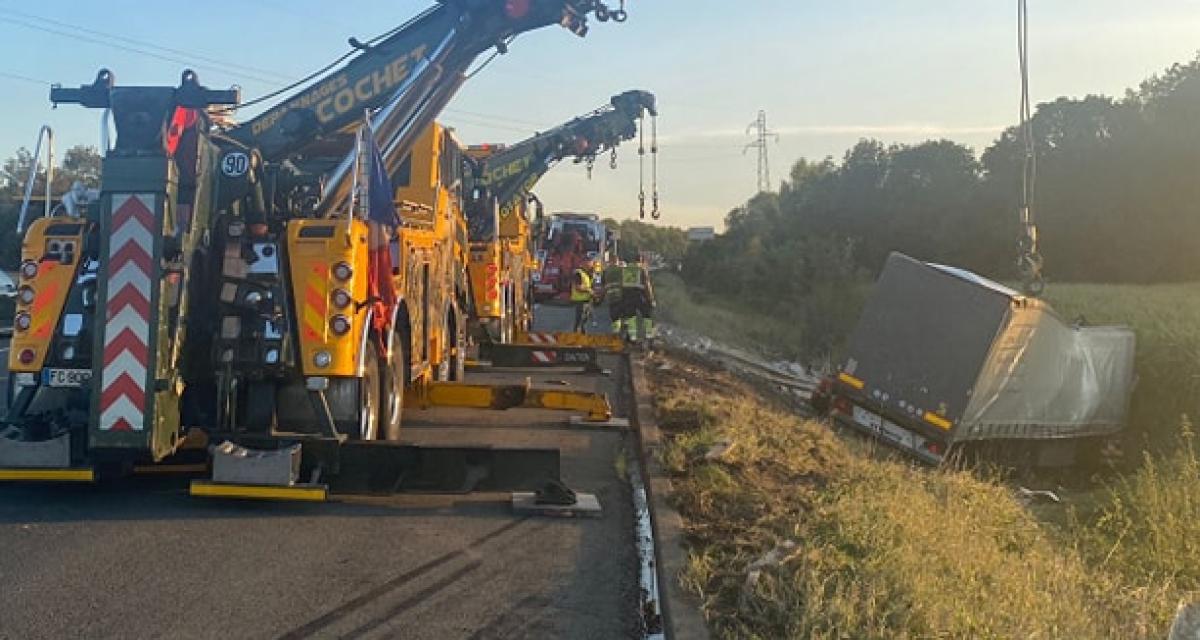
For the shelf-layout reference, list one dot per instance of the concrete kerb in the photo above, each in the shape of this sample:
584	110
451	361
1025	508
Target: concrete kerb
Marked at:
681	610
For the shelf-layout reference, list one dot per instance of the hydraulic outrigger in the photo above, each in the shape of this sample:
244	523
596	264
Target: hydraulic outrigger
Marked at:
176	302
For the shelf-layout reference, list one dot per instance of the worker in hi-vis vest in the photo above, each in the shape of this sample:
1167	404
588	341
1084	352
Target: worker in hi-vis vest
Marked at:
631	297
612	294
581	299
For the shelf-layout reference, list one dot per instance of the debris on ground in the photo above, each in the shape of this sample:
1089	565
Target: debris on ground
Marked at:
782	552
1029	496
719	450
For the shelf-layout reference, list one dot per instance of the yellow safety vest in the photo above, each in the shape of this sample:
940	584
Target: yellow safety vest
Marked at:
581	292
631	277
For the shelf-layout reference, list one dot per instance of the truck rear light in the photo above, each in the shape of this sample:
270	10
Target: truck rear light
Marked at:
271	356
936	448
26	294
341	298
343	271
842	404
27	356
340	325
29	270
23	321
323	359
68	352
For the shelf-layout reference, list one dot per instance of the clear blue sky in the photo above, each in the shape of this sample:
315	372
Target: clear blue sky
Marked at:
828	73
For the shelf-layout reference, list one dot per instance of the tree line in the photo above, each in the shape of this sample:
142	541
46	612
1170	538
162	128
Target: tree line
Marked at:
1117	199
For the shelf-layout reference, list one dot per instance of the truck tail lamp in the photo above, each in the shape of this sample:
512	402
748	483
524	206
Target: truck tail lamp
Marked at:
340	325
341	298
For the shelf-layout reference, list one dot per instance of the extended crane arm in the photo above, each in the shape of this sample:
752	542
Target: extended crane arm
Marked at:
510	172
429	51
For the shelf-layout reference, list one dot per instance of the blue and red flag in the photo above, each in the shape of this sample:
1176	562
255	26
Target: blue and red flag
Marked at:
383	220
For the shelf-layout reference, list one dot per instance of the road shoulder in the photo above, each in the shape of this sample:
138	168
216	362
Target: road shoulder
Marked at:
681	610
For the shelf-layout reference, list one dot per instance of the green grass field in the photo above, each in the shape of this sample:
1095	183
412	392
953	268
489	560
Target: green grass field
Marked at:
885	549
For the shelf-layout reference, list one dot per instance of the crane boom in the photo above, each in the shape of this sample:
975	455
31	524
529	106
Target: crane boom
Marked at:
440	43
510	172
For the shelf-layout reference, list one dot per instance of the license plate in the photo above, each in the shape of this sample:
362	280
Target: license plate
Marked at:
899	435
872	421
69	378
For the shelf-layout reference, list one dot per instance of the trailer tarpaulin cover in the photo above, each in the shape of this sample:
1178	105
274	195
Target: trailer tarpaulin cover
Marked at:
994	363
1045	379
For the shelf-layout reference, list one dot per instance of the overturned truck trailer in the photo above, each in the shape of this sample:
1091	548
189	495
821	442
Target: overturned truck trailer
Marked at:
943	357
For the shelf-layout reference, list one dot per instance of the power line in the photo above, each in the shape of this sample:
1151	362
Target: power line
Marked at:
128	48
762	135
17	76
143	43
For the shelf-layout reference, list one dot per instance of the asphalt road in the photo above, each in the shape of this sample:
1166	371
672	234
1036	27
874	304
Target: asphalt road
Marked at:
142	559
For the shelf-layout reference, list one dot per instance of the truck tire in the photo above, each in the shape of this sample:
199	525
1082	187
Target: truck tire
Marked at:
367	426
394	382
458	350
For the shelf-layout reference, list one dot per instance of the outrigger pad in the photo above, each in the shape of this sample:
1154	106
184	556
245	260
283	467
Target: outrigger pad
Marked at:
586	506
45	454
233	464
612	423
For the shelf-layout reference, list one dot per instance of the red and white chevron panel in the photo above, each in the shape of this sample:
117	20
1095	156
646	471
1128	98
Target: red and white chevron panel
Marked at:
543	338
543	357
127	323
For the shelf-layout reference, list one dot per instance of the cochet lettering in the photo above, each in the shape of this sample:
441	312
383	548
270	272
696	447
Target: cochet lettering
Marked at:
337	97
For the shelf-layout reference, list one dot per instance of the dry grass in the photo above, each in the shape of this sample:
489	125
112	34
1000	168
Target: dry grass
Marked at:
886	550
883	549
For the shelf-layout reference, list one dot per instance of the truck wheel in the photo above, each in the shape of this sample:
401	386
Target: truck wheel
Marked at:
395	382
458	353
445	364
509	320
369	387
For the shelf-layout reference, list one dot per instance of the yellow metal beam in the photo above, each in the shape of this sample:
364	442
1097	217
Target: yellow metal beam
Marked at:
595	405
503	397
259	492
603	342
47	475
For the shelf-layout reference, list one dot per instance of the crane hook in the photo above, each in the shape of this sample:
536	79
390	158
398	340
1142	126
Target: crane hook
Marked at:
654	213
642	166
